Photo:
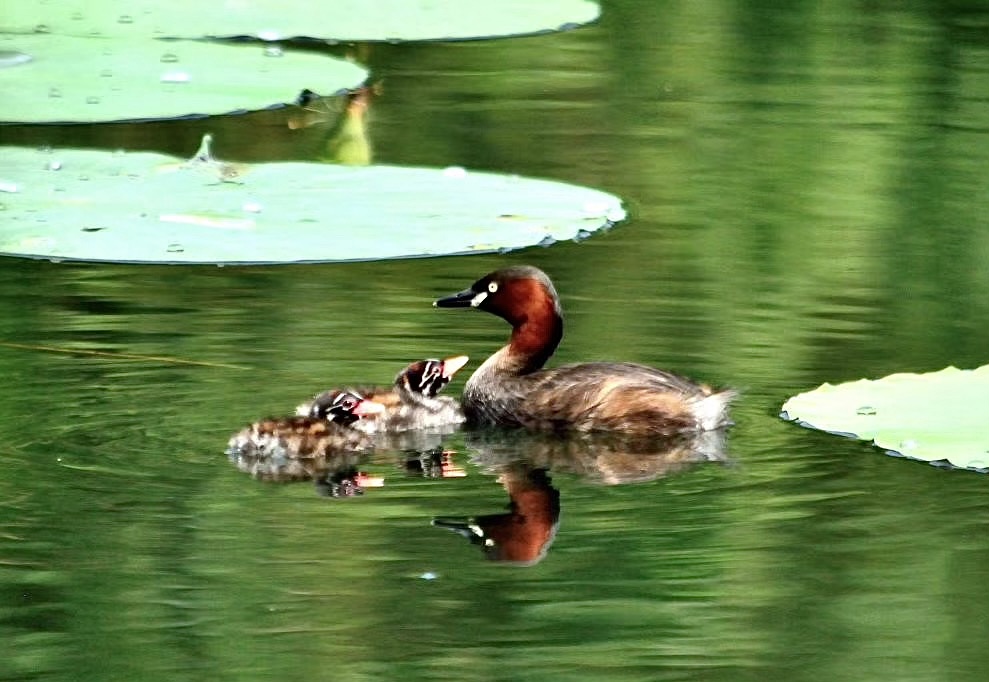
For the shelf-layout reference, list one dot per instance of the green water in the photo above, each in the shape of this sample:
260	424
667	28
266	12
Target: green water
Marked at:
808	196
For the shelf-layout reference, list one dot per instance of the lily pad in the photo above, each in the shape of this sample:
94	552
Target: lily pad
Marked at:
936	417
85	80
144	207
343	20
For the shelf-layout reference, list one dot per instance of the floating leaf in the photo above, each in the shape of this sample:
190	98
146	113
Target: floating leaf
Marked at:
84	80
938	416
345	20
144	207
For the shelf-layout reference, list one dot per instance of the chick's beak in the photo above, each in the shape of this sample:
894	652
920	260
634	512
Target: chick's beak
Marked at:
453	365
368	407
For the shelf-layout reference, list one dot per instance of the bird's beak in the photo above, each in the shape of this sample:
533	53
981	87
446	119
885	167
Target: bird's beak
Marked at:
468	298
464	527
368	407
453	365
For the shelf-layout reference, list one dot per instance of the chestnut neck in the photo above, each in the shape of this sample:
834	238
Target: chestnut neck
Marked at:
535	335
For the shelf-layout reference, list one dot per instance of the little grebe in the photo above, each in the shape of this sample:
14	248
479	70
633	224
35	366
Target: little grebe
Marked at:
328	429
511	389
411	402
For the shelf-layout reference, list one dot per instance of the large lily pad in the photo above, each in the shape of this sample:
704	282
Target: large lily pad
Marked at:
344	20
92	205
83	80
935	417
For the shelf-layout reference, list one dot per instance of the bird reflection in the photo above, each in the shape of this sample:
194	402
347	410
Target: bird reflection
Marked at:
607	458
522	461
347	482
334	472
524	533
435	463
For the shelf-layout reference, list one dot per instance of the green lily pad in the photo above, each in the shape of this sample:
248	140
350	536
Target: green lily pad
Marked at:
144	207
85	80
343	20
935	417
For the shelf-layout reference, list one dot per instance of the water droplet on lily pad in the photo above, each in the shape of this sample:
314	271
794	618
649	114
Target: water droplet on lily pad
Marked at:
273	51
175	77
169	58
42	28
10	58
93	99
54	92
125	19
54	165
866	410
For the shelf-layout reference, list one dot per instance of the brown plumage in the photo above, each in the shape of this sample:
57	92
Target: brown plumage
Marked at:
299	447
511	389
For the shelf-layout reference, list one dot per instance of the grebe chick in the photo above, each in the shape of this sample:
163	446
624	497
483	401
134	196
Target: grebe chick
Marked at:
329	429
411	402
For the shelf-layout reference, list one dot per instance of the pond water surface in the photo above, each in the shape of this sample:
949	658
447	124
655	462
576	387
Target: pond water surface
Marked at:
808	193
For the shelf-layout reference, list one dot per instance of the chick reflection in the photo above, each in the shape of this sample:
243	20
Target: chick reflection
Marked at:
435	463
347	482
334	474
523	534
523	461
